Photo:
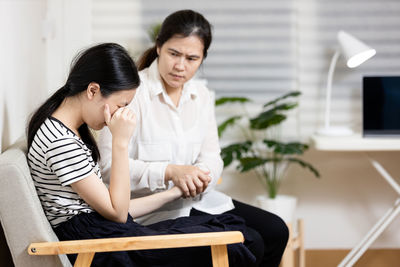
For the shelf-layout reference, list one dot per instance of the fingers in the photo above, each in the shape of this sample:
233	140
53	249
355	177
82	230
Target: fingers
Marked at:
192	188
124	113
184	189
205	178
116	114
122	125
107	114
190	179
199	185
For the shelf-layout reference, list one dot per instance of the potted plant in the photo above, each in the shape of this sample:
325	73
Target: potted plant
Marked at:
262	149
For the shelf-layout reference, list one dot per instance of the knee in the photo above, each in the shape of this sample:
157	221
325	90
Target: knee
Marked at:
256	245
281	231
278	231
284	232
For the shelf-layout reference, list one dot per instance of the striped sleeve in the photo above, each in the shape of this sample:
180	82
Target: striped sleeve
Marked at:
69	160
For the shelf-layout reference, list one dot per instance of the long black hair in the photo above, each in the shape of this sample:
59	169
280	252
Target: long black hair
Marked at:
107	64
183	23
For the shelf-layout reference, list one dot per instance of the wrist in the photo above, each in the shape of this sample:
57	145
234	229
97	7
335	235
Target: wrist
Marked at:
175	192
168	173
119	144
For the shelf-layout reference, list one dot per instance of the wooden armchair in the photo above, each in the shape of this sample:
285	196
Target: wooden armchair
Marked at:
25	225
87	248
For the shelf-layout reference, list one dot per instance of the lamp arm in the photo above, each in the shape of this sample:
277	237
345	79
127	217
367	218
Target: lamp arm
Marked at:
329	88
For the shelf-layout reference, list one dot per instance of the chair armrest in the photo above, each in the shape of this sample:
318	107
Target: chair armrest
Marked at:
135	243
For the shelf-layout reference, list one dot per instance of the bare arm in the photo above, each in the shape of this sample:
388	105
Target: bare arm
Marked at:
112	203
144	205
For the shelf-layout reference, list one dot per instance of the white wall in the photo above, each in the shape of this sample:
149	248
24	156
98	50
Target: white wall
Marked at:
22	75
68	30
339	208
38	41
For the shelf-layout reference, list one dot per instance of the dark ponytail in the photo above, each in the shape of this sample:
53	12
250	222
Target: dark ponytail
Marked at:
44	111
107	64
182	23
147	58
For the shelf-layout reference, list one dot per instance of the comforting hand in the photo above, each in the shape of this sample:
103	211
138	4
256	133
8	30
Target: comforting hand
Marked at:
190	179
121	124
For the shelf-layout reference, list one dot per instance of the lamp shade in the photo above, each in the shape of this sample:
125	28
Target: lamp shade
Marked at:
355	51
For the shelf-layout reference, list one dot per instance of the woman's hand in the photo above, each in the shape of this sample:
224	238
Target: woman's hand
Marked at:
190	179
121	124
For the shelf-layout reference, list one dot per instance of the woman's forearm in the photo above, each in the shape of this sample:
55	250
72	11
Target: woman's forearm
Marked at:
144	205
119	182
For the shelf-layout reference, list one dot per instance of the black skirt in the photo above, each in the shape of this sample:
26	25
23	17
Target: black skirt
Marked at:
93	225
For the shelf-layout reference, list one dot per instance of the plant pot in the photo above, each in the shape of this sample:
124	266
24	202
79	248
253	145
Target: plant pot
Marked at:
283	205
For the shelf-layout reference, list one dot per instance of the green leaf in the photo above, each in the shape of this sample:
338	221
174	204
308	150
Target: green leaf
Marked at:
265	120
250	163
290	94
224	100
227	158
286	148
271	117
234	151
305	165
284	106
229	122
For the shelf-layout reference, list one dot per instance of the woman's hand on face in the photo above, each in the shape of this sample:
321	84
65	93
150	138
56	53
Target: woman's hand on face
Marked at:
191	180
121	124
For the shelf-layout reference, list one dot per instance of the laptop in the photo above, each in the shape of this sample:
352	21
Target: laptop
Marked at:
381	106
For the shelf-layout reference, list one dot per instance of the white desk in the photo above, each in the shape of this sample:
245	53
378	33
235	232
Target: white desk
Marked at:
358	143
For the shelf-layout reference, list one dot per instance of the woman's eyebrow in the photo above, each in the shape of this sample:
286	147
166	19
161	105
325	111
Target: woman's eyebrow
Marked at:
179	53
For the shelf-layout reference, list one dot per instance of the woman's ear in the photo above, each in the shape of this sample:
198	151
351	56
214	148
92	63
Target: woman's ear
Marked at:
158	50
92	89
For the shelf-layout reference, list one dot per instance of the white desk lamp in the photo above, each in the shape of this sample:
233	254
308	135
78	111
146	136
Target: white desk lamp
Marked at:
356	53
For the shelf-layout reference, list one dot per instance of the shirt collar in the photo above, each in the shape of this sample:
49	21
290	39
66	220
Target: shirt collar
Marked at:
158	87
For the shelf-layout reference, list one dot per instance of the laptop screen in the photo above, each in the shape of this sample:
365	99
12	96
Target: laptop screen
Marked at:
381	106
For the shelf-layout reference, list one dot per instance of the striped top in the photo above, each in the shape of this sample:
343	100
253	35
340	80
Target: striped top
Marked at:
58	158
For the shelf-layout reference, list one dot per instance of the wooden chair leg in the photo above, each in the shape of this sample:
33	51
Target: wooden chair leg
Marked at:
219	255
302	250
294	243
84	259
288	255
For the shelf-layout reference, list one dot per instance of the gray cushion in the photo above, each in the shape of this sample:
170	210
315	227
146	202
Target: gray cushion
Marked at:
21	213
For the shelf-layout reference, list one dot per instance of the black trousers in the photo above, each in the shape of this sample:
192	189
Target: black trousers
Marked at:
269	232
93	225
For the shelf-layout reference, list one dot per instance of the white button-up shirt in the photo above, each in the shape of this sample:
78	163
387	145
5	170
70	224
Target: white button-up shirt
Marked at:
167	134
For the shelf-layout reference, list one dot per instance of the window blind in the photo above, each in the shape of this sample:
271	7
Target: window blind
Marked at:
252	50
375	22
117	21
262	48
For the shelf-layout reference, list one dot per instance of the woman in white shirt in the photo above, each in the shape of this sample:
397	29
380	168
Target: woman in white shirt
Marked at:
176	140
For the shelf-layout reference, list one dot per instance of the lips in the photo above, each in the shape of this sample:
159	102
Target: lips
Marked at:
177	76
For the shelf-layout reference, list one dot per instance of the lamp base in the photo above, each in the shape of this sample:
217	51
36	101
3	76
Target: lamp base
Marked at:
335	131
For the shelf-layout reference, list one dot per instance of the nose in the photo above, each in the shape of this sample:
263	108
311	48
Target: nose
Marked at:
180	64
